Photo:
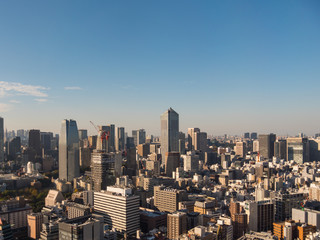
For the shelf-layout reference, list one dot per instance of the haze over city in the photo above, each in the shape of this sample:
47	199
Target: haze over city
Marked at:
226	66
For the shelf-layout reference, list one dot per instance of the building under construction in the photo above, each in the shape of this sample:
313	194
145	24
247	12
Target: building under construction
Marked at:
102	169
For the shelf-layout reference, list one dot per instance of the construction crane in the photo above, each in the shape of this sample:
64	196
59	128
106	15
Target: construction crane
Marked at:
104	134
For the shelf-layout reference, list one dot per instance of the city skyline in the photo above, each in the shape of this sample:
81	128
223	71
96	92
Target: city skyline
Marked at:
226	67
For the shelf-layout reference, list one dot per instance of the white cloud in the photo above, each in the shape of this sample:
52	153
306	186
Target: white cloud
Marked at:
14	101
5	107
11	88
41	99
73	88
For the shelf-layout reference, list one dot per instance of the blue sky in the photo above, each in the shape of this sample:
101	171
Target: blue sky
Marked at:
224	66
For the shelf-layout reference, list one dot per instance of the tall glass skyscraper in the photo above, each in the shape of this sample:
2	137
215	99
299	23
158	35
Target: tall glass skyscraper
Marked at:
69	165
169	132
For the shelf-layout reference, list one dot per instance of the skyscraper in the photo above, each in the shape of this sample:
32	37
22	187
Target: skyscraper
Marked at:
34	141
83	134
266	145
139	136
69	164
191	137
120	139
169	132
102	169
1	140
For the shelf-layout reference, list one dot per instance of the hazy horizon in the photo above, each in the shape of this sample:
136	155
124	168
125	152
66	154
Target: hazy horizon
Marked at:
227	67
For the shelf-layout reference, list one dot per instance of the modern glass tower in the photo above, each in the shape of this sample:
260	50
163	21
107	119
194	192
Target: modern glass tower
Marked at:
169	132
69	165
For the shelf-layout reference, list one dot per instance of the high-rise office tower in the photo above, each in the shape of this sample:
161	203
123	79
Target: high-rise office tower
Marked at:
139	136
103	169
111	141
83	134
182	143
240	149
69	164
314	147
200	142
280	149
172	160
45	138
120	139
254	135
130	143
266	145
107	145
14	148
34	141
120	209
1	140
298	150
169	132
246	135
191	137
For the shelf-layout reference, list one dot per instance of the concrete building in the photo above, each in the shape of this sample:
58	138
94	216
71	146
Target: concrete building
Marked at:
169	132
298	150
203	207
143	150
15	212
5	230
255	145
120	209
239	220
240	149
307	216
75	210
190	162
50	231
314	191
167	199
69	164
284	203
102	169
172	160
82	228
85	157
53	198
150	219
35	221
176	224
260	214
